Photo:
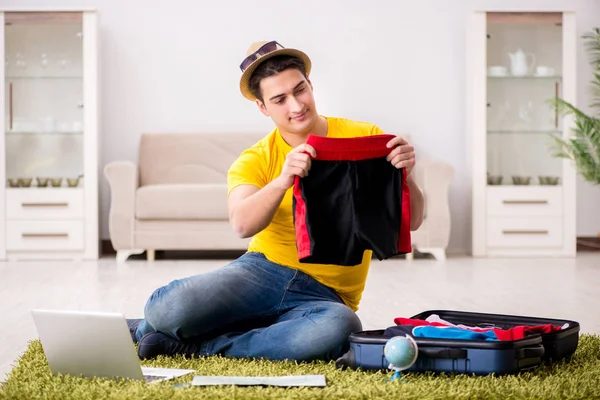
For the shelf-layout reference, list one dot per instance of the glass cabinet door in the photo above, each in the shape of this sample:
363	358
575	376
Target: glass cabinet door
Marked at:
43	99
524	60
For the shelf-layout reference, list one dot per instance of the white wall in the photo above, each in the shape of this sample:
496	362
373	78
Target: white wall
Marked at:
172	66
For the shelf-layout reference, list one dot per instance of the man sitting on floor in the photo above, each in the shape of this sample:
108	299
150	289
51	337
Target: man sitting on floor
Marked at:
267	304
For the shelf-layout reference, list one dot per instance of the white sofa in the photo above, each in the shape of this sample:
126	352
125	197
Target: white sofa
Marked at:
174	198
433	178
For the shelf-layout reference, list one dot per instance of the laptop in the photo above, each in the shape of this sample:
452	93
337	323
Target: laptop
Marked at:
93	344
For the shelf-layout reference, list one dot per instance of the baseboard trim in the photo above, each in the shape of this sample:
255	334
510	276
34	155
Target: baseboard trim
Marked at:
584	244
588	243
108	251
106	248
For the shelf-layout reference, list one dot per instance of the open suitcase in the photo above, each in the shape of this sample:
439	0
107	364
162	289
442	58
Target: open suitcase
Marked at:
463	356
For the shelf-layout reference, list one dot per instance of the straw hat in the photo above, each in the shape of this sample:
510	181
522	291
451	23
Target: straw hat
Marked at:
261	51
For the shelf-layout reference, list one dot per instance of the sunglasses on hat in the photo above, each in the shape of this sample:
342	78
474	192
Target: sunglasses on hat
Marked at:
262	50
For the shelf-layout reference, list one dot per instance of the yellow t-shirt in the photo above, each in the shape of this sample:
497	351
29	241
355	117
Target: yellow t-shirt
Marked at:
262	163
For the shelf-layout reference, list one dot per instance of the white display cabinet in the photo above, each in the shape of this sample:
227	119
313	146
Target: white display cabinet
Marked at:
49	143
523	198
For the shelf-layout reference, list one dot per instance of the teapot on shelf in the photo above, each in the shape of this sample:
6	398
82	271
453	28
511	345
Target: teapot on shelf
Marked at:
518	63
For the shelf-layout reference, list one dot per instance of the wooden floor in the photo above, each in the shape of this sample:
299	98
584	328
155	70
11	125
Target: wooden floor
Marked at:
561	288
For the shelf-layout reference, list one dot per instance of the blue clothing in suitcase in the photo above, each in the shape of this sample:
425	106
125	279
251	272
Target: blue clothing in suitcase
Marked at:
437	332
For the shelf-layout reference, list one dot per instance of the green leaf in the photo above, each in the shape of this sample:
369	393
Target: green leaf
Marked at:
583	148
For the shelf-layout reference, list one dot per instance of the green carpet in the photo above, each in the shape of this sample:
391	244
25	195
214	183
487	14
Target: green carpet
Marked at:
579	378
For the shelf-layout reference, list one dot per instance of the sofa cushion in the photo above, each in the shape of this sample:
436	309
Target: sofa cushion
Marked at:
182	202
167	158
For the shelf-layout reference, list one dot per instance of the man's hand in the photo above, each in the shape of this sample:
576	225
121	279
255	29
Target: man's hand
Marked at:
402	154
297	162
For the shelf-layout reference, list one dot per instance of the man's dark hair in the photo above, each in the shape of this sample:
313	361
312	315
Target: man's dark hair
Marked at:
273	66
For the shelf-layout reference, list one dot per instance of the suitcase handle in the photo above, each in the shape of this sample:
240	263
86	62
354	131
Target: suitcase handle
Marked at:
530	352
443	353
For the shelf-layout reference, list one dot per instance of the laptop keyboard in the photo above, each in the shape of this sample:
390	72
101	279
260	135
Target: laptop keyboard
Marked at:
152	378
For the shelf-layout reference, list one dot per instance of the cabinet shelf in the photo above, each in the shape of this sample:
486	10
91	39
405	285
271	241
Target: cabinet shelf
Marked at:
44	133
524	131
49	188
523	187
525	77
33	78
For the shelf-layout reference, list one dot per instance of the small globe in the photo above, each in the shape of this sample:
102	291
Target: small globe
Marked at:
401	352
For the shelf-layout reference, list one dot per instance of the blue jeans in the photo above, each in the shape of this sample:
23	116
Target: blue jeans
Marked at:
253	308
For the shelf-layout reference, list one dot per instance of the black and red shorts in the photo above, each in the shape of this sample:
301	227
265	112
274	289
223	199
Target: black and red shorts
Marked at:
352	200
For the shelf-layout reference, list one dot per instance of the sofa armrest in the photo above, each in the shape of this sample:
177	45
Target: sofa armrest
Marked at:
433	178
123	180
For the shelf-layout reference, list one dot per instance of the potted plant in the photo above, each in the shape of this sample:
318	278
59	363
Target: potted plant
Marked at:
583	147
